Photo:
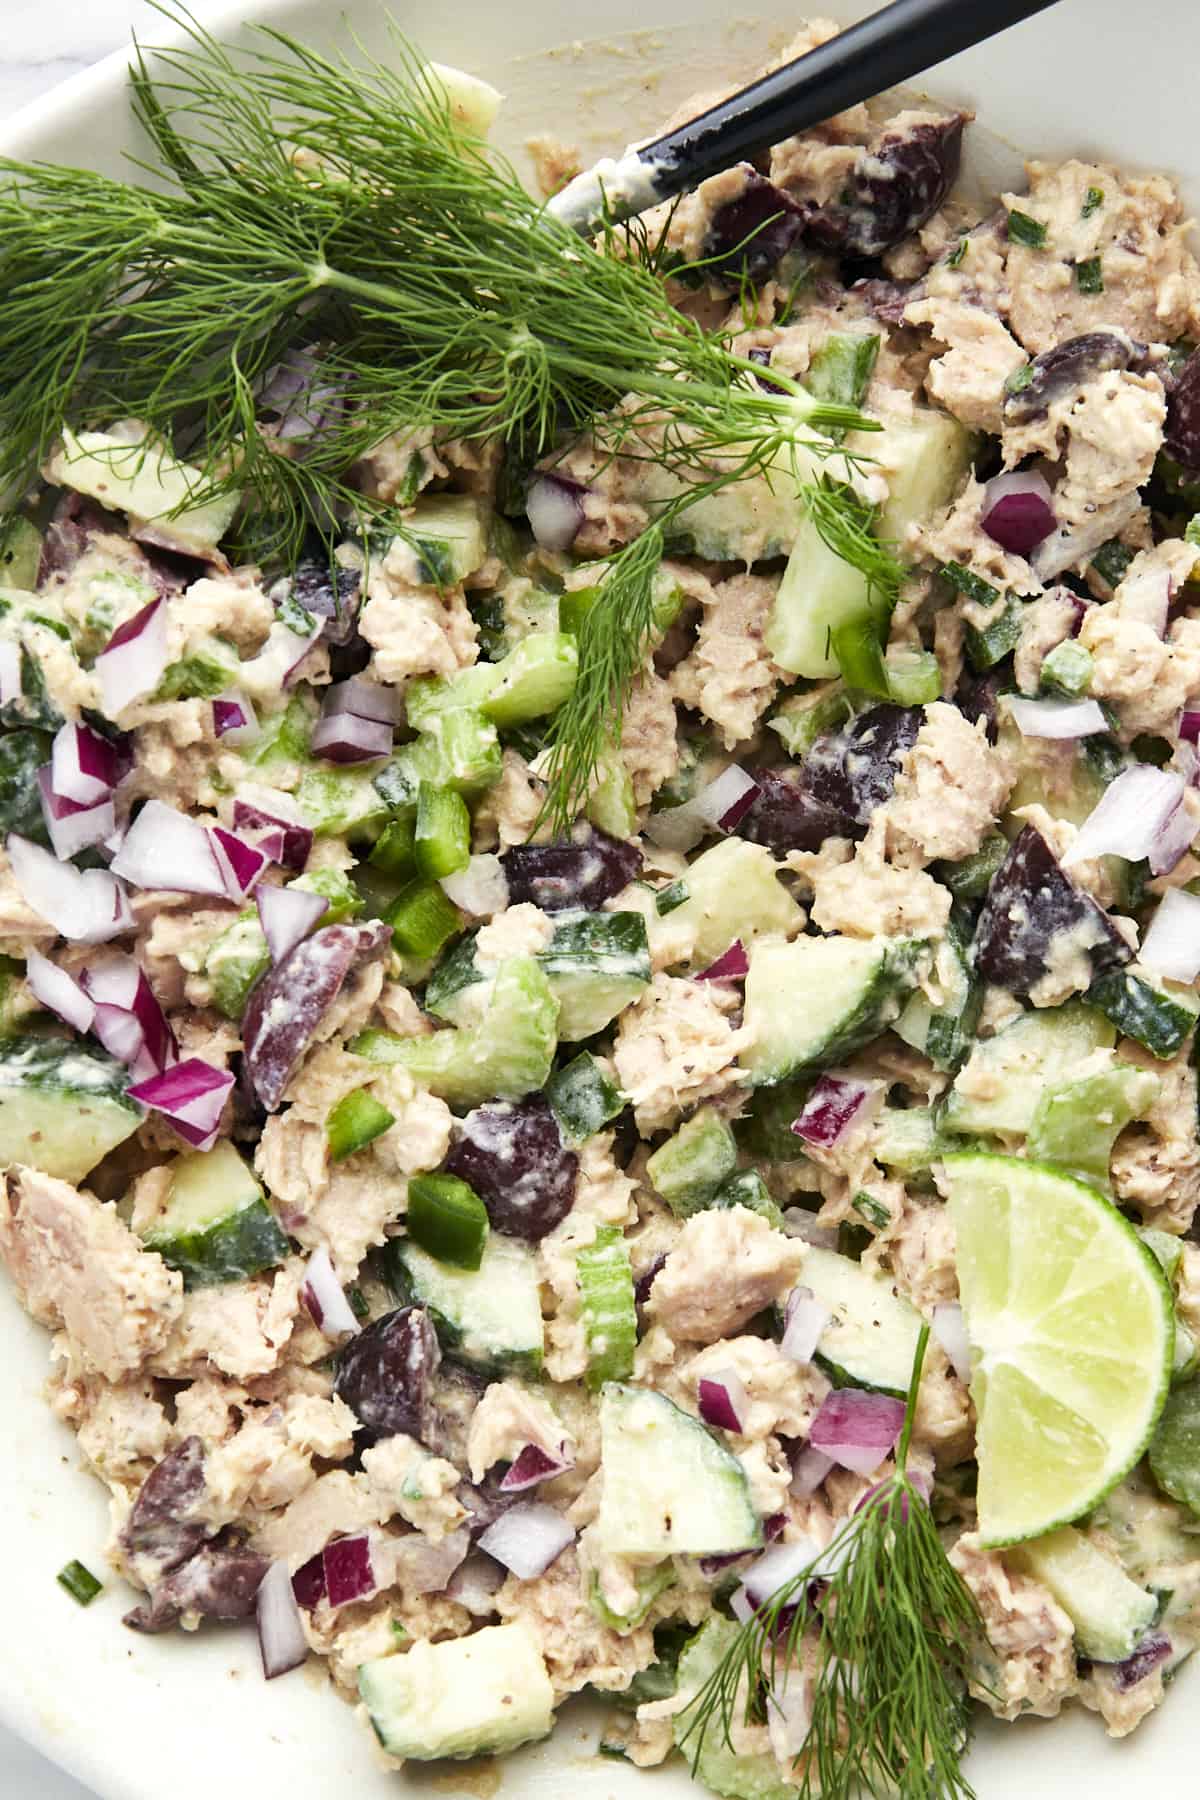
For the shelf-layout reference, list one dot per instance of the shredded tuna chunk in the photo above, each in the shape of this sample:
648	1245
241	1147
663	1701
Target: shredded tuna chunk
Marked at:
416	631
726	1267
1033	1640
968	378
950	789
675	1047
729	676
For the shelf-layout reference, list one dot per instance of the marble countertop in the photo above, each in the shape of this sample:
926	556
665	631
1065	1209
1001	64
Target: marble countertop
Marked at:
43	45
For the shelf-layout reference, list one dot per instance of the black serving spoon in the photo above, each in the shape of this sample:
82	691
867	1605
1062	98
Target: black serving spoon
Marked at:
879	52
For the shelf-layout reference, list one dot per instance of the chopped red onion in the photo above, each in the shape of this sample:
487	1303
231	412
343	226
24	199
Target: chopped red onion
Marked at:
286	840
87	906
480	889
857	1429
280	1632
308	1583
345	738
723	1400
676	827
1132	813
287	915
809	1469
725	801
54	988
474	1584
742	1606
365	699
192	1095
164	848
837	1106
733	965
325	1297
950	1330
527	1538
134	660
1018	511
424	1567
776	1567
234	718
240	863
554	508
83	765
349	1570
1171	946
10	671
130	1023
804	1321
1142	1661
798	1222
1189	723
532	1465
1173	841
1057	718
72	828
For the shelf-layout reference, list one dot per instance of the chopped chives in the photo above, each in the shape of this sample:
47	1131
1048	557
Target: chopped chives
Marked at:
1089	276
79	1582
668	898
1093	200
1024	230
956	255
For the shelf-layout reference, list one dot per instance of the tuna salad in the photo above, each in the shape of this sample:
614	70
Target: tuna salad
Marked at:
598	1082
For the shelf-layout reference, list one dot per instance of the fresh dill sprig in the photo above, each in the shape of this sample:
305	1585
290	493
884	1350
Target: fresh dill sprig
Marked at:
890	1630
844	521
333	209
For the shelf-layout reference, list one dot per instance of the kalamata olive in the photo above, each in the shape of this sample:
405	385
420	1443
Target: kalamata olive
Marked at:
748	236
853	771
331	595
1150	1653
73	525
385	1374
1182	439
221	1582
898	181
162	1531
287	1005
585	872
785	816
1033	910
978	697
1066	369
641	1289
484	1500
884	300
514	1157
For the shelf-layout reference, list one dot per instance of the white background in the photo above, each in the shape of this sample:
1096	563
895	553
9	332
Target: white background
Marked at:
41	42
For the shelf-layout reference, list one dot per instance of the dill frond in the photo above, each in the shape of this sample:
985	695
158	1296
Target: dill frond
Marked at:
893	1631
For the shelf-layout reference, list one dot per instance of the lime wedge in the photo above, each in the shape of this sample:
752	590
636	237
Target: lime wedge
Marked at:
1072	1336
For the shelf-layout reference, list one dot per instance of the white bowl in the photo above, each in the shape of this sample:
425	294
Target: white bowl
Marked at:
138	1718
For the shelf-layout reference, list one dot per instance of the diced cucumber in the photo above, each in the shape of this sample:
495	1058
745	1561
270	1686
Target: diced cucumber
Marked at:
1067	669
473	103
803	718
63	1105
596	963
335	886
461	750
924	459
1000	1087
430	697
669	1487
341	803
490	1317
204	672
689	1168
812	1002
1110	1613
1158	1018
448	1219
1166	1249
454	974
914	677
215	1225
147	484
991	643
611	804
650	1583
719	1767
285	738
506	1055
1175	1447
607	1305
1077	1123
871	1338
234	962
583	1097
841	367
442	832
733	892
533	679
908	1139
356	1121
818	592
480	1695
20	553
944	1033
444	539
764	1128
746	1187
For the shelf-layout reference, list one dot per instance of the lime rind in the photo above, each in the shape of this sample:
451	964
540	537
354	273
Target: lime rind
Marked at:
1072	1331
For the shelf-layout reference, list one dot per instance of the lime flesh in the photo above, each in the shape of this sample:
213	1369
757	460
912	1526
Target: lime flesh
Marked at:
1072	1335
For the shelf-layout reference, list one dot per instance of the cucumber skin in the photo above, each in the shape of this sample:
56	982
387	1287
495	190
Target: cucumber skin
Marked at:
893	981
1152	1018
231	1250
451	1335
